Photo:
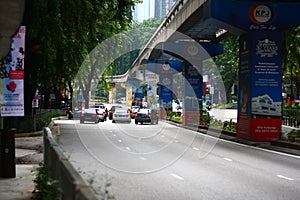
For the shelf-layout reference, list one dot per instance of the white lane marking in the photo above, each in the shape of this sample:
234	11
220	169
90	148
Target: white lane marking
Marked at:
115	135
128	148
162	136
176	141
177	176
120	141
143	158
195	148
228	159
284	177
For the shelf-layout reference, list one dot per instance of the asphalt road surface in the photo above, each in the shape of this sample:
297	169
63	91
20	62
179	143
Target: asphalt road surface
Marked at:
167	162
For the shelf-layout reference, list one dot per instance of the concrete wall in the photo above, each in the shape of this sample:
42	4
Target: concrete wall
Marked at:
72	185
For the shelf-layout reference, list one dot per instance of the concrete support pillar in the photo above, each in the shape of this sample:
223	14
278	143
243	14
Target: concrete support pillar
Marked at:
129	95
11	14
260	87
113	95
193	91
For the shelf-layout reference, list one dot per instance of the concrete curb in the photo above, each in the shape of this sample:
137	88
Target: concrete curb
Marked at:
276	145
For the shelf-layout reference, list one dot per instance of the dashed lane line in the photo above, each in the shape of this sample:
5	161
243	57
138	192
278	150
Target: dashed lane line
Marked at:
285	177
177	177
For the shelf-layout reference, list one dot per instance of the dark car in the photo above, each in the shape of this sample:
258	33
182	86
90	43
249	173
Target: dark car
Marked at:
91	115
147	116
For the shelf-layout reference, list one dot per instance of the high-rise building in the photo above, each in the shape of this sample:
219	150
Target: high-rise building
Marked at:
152	9
144	10
162	7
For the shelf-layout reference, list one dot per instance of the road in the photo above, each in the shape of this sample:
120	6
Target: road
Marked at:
166	162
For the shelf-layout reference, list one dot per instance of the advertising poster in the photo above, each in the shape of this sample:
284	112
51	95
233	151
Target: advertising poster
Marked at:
260	103
12	77
267	73
244	103
166	86
266	99
193	91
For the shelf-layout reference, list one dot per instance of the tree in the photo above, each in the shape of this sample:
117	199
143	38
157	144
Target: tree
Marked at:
143	34
60	33
291	59
228	63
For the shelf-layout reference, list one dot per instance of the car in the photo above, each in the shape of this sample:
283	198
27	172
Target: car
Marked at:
121	115
177	106
92	115
103	115
112	110
204	111
122	100
134	110
99	105
147	116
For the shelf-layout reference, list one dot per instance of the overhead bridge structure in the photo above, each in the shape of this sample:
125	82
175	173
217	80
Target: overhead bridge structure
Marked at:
191	34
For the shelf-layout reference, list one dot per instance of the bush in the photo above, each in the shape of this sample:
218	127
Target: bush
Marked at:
177	118
45	187
294	135
43	118
229	126
205	118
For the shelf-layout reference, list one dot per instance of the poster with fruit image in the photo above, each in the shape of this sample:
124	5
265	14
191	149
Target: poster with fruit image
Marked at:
12	77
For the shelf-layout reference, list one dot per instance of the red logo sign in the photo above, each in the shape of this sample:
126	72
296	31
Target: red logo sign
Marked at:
260	13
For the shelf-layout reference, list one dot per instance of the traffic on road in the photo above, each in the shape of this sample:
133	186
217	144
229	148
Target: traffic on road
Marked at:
164	161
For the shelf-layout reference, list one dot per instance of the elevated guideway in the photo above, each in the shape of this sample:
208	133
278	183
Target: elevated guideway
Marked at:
190	34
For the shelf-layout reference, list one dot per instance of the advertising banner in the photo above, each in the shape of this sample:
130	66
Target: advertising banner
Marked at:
166	86
260	95
193	91
12	77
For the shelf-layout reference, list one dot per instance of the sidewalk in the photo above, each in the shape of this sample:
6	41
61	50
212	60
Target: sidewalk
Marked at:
28	151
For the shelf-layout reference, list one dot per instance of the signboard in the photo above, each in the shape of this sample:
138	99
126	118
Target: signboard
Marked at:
256	15
193	91
12	77
260	104
166	86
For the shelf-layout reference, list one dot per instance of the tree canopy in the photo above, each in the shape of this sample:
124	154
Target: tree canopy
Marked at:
60	33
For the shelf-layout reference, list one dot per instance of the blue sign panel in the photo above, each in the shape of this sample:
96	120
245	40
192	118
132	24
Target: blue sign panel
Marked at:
156	66
166	69
260	93
267	74
193	89
255	15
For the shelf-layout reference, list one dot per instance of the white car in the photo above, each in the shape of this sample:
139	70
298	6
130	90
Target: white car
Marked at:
121	115
177	105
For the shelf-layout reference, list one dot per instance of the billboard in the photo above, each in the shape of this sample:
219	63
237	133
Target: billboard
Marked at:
260	93
12	77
